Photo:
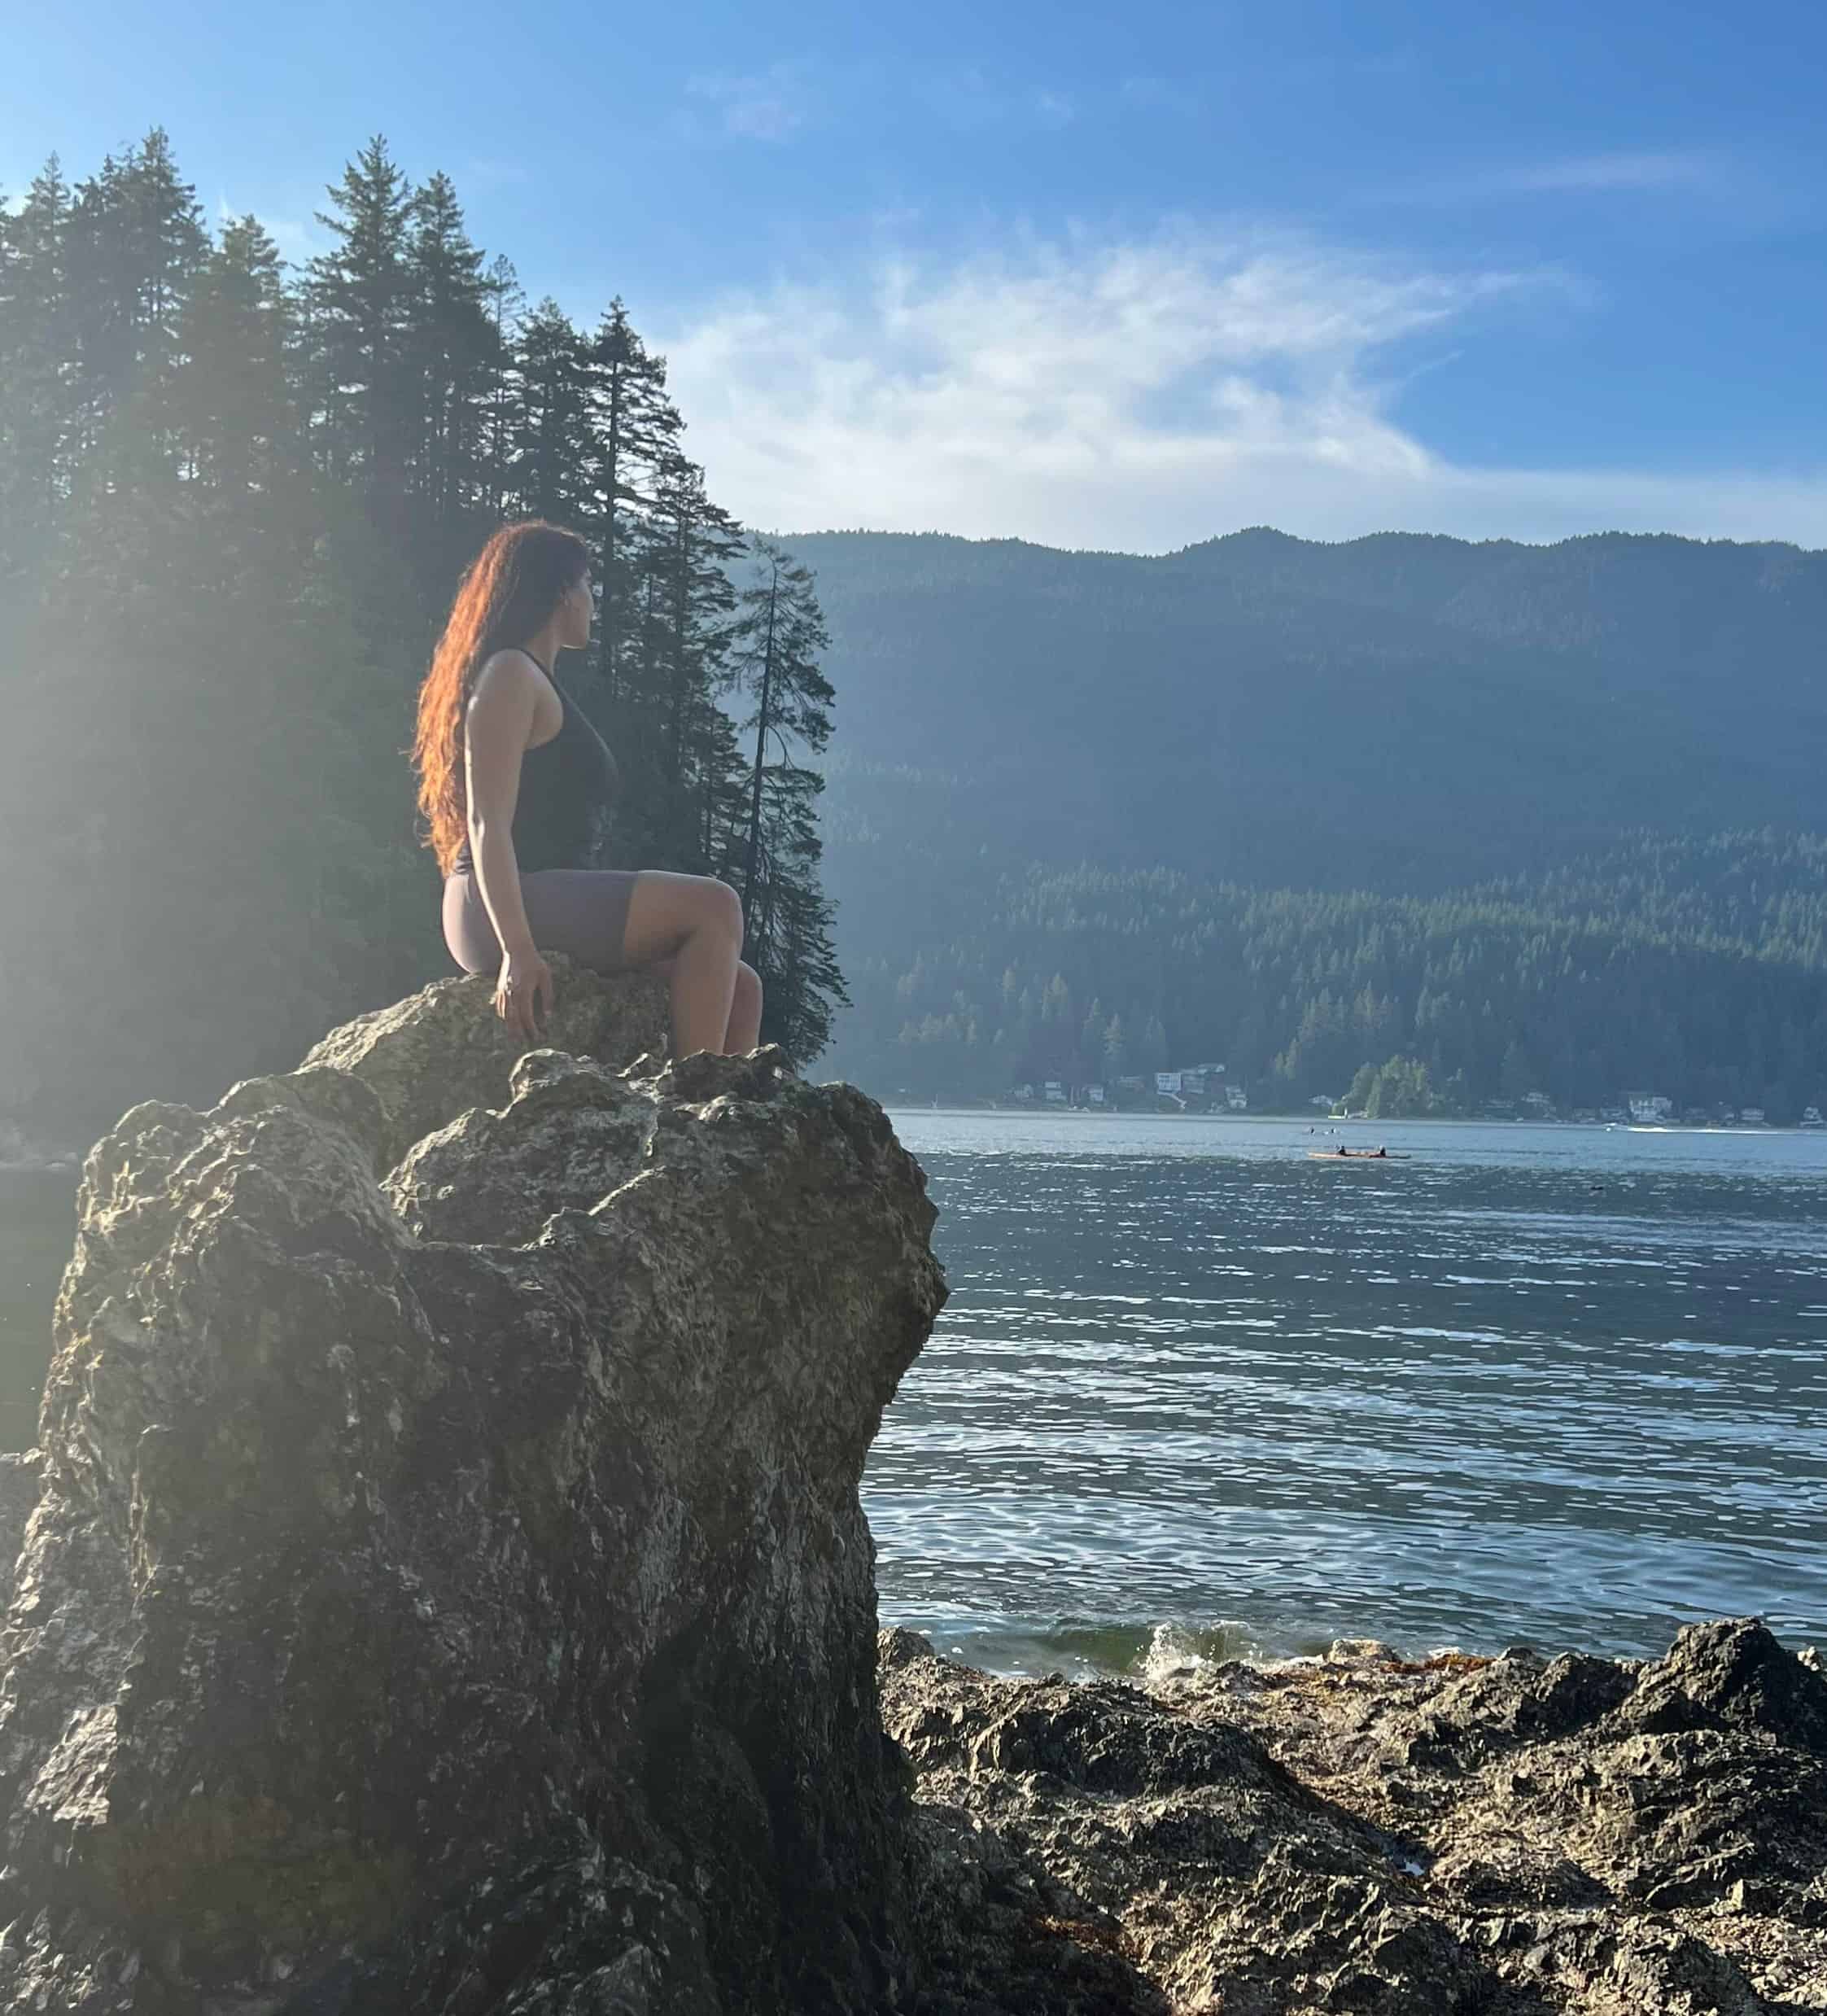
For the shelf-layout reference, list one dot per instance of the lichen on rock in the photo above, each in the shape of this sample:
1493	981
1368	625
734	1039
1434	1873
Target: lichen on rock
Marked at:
447	1587
441	1052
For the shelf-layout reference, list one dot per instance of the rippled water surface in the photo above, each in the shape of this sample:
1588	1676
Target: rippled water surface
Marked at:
1193	1390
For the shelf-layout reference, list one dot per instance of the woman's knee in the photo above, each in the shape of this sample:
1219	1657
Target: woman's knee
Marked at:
721	907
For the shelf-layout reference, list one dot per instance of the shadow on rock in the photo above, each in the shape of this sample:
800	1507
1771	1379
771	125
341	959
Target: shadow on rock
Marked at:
446	1587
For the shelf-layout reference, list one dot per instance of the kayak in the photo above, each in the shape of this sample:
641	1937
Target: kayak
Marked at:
1351	1155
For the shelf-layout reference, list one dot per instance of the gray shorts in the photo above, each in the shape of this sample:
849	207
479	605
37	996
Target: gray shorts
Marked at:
580	911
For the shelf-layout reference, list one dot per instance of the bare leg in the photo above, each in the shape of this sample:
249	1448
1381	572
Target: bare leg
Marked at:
743	1032
694	923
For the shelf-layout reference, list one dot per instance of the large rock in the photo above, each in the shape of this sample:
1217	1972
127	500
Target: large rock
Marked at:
441	1590
448	1589
1454	1836
441	1052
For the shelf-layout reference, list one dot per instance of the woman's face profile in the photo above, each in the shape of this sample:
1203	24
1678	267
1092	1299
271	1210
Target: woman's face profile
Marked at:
579	606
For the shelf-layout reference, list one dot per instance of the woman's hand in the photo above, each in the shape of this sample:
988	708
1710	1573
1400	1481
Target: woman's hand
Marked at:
524	993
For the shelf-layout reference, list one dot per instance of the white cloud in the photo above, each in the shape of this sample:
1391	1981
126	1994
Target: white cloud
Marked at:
771	104
1600	172
1139	397
966	97
1692	171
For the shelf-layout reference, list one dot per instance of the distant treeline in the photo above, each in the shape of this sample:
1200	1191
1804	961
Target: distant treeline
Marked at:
234	499
1693	968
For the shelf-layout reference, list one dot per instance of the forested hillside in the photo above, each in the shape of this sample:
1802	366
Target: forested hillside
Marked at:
234	501
1403	713
1461	822
1694	970
1543	818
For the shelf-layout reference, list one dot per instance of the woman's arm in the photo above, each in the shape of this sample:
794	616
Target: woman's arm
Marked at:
497	725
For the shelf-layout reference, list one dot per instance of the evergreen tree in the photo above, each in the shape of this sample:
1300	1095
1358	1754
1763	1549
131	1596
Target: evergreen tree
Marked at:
136	243
362	407
503	303
775	641
789	932
1116	1049
1091	1043
448	350
666	702
38	347
553	440
637	431
232	408
1154	1046
265	492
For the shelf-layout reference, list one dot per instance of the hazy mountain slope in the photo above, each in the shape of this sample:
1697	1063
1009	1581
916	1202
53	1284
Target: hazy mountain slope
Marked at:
1399	712
1400	715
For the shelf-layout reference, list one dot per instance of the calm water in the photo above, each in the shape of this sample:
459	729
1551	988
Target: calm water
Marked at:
1194	1392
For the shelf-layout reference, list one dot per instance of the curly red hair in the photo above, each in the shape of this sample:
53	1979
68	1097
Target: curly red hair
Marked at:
506	596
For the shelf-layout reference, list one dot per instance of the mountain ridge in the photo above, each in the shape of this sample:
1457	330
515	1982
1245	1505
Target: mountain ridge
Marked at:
1406	715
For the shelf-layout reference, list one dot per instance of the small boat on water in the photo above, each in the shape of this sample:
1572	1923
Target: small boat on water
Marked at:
1353	1155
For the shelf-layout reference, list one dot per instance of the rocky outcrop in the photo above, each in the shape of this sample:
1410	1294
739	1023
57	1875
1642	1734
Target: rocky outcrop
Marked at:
441	1590
1448	1837
447	1589
442	1051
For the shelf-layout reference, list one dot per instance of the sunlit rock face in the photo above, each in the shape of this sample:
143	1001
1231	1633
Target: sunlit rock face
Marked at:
441	1589
447	1588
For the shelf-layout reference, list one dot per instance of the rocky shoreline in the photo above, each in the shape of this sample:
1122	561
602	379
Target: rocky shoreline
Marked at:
1509	1837
441	1589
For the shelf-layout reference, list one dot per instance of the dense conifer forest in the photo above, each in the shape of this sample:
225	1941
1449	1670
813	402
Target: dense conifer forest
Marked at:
1495	823
1692	971
1431	826
234	501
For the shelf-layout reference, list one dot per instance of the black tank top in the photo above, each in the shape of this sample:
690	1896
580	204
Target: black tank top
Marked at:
565	788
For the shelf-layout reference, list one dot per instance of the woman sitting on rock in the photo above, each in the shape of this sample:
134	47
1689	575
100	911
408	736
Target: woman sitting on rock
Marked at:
514	781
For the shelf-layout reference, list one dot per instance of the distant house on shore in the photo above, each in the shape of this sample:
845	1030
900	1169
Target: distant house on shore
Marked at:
1811	1118
1193	1081
1650	1109
1237	1099
1055	1091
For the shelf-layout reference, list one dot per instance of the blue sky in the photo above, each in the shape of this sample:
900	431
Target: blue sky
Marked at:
1122	278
